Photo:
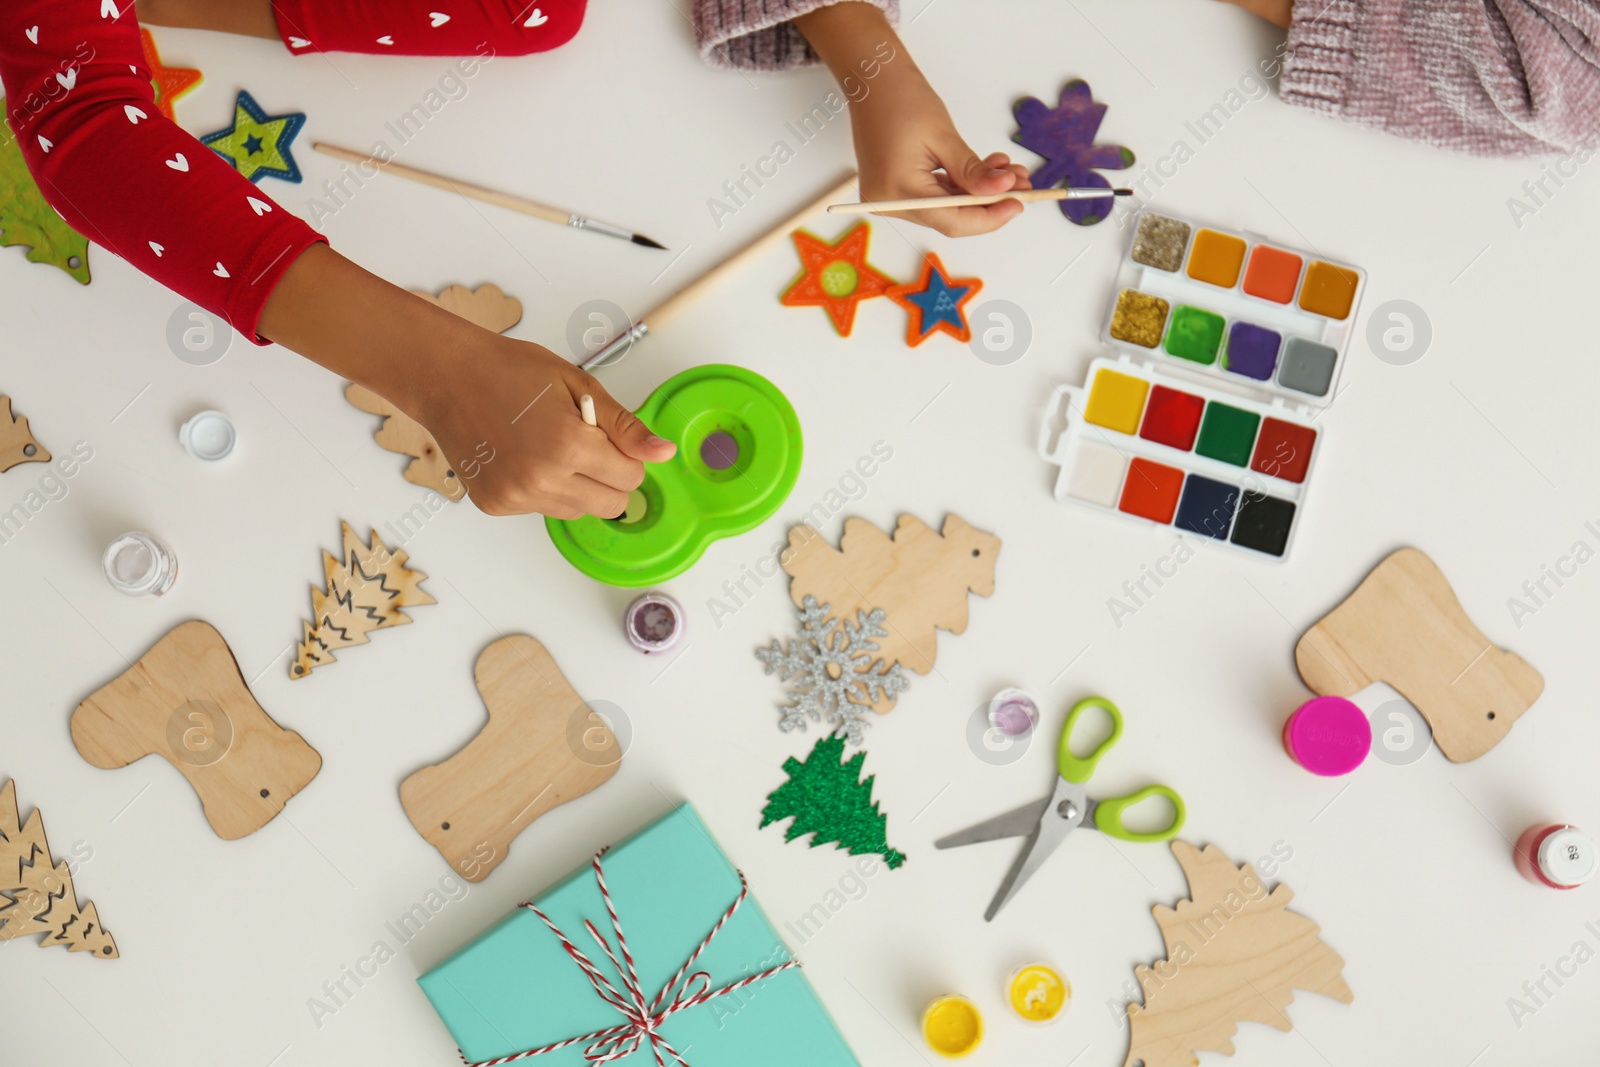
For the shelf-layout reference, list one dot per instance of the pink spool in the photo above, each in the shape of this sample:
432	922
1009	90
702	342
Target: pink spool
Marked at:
1556	855
1329	736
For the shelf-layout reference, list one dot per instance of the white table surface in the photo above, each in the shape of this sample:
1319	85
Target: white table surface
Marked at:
1481	453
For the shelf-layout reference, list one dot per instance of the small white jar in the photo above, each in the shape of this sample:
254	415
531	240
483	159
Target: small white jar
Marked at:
140	565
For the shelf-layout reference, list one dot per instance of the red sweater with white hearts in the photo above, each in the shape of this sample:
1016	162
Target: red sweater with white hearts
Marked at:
79	99
81	105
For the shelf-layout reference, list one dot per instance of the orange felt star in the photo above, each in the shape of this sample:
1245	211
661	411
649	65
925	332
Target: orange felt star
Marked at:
835	276
171	83
936	301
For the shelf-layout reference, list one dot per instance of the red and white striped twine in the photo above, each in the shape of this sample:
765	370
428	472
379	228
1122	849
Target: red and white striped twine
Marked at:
643	1022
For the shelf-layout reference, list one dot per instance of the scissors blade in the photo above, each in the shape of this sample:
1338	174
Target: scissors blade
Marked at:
1018	822
1052	828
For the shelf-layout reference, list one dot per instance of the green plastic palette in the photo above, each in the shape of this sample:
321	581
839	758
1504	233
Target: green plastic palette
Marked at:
739	451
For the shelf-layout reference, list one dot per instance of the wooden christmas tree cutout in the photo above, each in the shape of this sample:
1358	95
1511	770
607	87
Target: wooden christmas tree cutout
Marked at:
185	700
487	305
490	308
919	578
1403	625
366	586
36	893
1235	953
542	747
17	444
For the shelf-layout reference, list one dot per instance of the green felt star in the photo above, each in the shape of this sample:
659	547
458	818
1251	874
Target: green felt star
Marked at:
258	144
26	219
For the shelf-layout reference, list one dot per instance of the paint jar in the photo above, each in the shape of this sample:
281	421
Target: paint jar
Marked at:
1013	712
1329	736
1038	993
952	1026
1556	855
139	565
654	622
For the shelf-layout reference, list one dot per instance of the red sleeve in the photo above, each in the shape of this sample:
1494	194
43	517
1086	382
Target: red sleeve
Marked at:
79	100
427	27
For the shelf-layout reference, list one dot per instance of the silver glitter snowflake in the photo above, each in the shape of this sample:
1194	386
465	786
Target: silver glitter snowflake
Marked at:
833	672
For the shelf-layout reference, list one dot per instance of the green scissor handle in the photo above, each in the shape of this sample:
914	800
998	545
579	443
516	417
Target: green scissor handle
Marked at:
1108	815
1076	768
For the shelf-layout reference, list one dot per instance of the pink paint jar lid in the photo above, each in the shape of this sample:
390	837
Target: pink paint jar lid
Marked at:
1329	736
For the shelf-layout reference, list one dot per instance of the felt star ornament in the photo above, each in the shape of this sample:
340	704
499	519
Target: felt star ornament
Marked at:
258	144
936	302
1064	136
171	83
835	276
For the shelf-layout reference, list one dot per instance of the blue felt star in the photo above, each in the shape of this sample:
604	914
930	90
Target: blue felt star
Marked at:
258	144
940	302
936	302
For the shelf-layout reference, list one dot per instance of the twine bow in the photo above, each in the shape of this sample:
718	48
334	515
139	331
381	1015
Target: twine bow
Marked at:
642	1020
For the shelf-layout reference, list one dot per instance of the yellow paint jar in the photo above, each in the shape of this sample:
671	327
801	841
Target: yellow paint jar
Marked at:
952	1026
1038	993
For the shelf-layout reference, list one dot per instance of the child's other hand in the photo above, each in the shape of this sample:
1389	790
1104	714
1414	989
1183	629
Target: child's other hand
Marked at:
507	419
907	146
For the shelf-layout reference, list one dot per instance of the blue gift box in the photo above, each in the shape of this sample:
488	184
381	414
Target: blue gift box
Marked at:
516	988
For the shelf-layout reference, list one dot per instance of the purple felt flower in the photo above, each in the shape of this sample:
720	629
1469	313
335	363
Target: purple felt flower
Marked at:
1064	136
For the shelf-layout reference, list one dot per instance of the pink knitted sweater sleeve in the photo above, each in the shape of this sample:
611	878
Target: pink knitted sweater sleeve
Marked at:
1486	77
760	34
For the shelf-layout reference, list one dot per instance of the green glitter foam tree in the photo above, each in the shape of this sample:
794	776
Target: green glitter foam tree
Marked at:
829	800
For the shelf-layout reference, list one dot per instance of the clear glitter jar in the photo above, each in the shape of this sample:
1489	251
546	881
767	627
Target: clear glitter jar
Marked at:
140	565
1013	712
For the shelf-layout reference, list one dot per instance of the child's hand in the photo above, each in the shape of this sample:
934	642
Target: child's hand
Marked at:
504	412
906	146
507	419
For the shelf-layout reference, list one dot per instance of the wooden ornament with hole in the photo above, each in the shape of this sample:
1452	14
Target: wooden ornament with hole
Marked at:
920	579
36	892
1235	953
1403	625
186	701
366	588
542	747
17	443
487	306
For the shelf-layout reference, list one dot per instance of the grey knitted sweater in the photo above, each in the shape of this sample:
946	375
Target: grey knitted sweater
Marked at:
1487	77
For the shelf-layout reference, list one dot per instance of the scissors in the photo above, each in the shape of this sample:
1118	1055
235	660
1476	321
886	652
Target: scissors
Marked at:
1046	822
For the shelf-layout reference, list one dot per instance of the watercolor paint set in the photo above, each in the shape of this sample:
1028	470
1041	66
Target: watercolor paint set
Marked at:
1252	312
1230	346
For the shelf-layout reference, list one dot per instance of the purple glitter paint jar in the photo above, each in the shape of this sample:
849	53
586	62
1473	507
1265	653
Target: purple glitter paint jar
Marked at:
654	622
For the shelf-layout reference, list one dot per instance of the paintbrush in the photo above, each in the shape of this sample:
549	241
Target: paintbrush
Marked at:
490	196
926	203
697	288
